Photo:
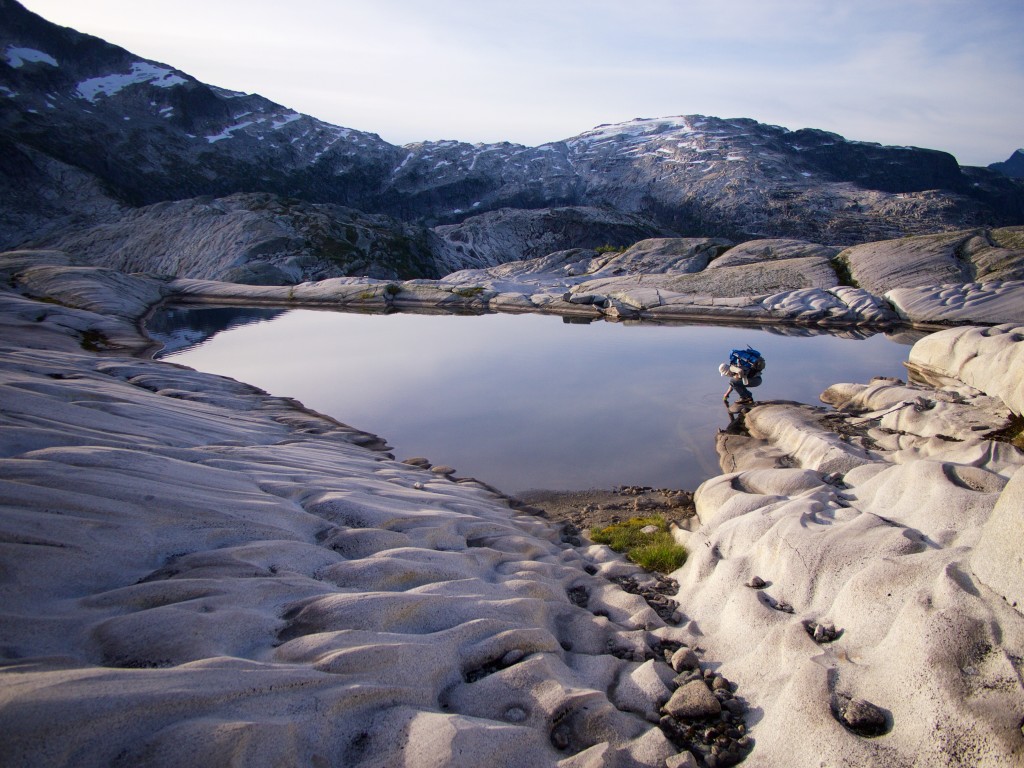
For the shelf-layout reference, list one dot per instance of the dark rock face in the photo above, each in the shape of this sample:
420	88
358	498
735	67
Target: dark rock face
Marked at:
1012	167
508	235
252	238
89	130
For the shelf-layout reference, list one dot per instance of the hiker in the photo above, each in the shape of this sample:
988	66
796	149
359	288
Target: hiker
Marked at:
744	370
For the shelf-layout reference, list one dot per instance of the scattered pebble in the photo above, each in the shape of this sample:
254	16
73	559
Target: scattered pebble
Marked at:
443	469
833	478
693	700
515	714
656	596
684	658
860	716
682	760
578	595
757	583
821	633
706	725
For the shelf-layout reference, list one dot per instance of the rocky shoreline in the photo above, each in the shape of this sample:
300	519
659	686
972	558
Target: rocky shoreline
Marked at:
196	571
598	508
928	282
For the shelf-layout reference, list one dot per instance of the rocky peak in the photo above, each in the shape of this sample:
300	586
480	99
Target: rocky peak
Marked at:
1012	167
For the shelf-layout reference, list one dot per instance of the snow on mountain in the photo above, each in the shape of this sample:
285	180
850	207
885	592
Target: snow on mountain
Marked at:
19	57
141	72
132	132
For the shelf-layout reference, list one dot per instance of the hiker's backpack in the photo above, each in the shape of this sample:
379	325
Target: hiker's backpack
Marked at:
748	363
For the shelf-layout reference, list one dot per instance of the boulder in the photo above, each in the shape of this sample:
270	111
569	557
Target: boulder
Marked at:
693	701
998	558
756	251
988	359
909	262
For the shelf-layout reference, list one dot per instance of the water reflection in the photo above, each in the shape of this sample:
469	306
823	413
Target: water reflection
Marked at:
528	401
179	328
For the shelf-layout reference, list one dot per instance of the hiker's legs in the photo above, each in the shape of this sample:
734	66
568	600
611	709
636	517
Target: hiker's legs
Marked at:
741	390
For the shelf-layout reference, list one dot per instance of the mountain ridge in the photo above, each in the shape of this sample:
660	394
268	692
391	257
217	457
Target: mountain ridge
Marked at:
89	131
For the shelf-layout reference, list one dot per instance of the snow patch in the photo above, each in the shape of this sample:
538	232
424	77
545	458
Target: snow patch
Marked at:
285	120
225	93
226	133
142	72
19	57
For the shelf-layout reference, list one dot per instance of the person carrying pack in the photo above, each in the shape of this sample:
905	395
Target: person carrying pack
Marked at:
744	370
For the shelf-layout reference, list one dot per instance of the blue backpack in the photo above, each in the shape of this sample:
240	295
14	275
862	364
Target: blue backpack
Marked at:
749	362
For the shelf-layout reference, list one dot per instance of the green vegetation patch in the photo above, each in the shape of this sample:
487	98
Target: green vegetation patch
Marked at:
843	272
1013	433
94	341
655	551
1009	237
468	293
609	248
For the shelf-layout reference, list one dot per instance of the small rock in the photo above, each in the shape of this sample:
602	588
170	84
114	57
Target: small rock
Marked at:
578	595
757	583
560	738
686	676
649	529
821	633
684	658
719	684
693	700
735	706
418	461
443	469
515	714
682	760
860	716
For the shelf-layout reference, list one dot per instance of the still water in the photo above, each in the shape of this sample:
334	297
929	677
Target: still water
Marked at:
520	401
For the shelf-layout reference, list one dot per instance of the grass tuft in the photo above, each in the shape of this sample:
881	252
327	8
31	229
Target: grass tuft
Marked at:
1012	433
655	551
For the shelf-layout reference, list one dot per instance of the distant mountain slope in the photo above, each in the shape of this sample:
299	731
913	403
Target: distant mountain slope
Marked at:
1013	166
88	131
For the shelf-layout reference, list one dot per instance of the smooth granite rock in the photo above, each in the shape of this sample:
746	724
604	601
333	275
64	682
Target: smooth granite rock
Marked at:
910	558
998	559
694	700
195	572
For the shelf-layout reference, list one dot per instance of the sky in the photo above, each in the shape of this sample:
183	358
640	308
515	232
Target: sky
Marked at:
942	74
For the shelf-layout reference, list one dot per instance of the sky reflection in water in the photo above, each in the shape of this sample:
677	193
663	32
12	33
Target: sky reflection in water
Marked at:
529	401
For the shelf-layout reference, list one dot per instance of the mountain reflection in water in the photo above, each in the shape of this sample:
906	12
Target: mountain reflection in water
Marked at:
524	401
